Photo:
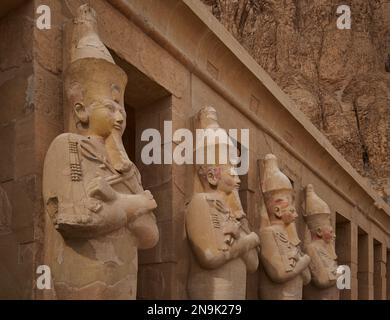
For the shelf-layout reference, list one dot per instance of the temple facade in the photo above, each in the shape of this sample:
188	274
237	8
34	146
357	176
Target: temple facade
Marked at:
178	59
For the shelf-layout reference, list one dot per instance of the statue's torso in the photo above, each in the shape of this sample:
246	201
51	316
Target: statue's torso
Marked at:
98	267
323	268
323	258
227	281
286	253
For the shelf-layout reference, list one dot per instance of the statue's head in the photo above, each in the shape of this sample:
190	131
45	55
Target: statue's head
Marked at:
219	154
94	84
98	114
222	178
208	117
317	216
95	87
278	193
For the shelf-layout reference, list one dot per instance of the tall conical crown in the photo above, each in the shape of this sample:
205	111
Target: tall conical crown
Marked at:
87	43
273	178
215	138
317	212
208	120
92	72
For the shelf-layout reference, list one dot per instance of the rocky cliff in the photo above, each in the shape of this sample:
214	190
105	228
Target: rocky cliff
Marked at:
339	78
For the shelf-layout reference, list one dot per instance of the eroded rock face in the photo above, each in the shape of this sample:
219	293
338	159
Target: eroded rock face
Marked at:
339	78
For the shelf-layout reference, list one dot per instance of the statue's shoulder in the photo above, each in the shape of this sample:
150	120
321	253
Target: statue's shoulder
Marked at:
313	245
318	253
276	235
271	230
268	229
198	197
267	235
206	199
60	147
63	140
311	248
58	160
199	205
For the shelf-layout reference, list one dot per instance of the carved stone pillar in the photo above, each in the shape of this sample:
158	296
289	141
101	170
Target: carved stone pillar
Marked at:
223	247
321	249
97	214
284	268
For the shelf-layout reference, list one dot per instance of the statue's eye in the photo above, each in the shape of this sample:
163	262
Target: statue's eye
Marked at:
110	107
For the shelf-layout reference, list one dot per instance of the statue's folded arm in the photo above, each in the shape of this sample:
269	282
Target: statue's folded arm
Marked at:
277	266
72	211
204	239
72	220
319	273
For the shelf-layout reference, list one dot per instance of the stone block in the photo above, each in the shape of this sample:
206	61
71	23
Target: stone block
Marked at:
48	42
16	29
16	93
24	146
163	196
155	281
15	269
23	196
166	248
7	151
47	94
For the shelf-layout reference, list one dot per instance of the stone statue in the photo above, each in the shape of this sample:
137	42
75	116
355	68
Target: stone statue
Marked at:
321	249
97	213
284	268
222	245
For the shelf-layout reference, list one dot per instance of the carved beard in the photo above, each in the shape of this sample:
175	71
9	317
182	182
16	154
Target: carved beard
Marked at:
330	248
117	153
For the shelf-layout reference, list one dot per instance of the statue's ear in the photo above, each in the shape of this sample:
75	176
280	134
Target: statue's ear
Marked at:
277	212
81	112
75	95
319	232
211	177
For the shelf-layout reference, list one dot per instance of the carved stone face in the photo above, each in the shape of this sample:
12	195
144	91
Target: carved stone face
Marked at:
326	233
208	117
104	116
281	205
99	110
223	178
229	179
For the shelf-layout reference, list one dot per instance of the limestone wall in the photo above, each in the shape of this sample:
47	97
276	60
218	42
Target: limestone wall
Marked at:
30	117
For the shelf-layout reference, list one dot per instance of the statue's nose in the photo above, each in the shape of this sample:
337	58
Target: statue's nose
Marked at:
118	117
238	181
294	212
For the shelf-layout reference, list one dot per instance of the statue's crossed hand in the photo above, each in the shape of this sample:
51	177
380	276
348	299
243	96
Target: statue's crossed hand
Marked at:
148	202
100	189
